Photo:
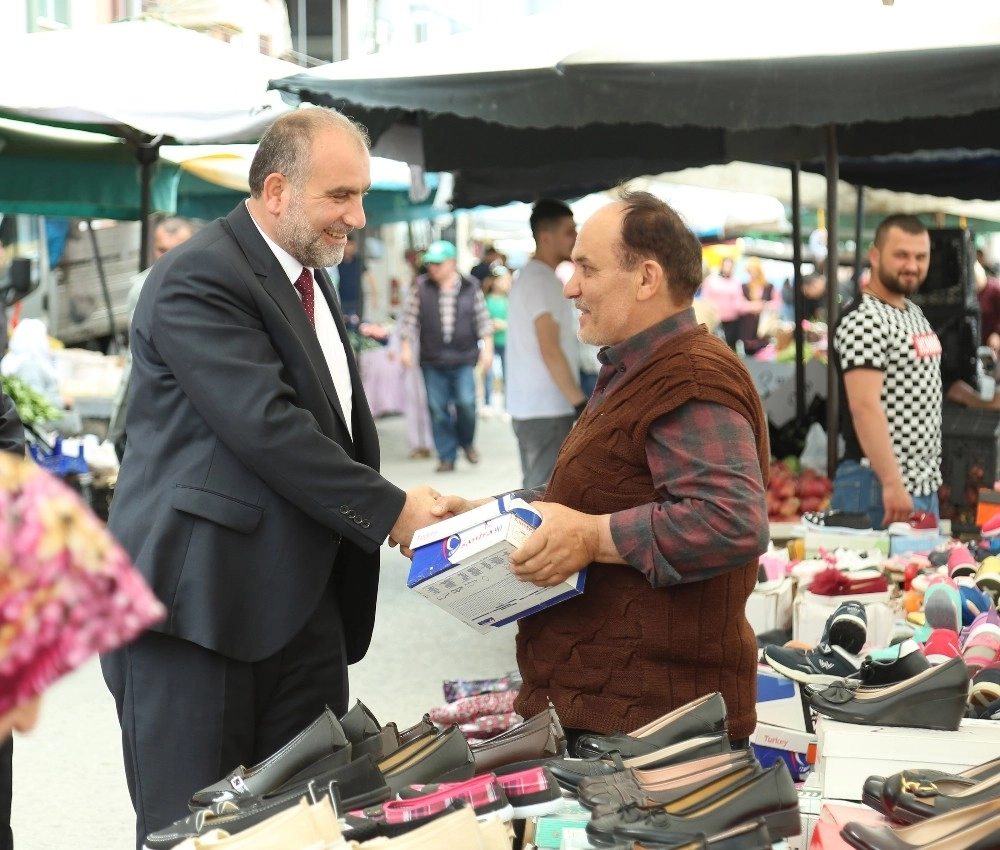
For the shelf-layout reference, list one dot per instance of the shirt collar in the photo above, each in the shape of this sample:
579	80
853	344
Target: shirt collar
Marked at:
632	351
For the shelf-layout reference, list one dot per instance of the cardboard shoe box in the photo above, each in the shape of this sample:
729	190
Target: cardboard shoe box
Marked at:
848	753
780	702
771	743
461	565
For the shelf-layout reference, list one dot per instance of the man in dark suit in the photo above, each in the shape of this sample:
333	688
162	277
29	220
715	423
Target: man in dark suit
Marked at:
249	495
11	440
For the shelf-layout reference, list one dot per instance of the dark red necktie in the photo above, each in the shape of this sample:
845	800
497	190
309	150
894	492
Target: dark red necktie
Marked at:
304	284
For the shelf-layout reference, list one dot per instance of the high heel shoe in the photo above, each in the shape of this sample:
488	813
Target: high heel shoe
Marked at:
934	699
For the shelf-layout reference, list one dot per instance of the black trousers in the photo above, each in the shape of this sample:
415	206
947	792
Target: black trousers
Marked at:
6	793
189	715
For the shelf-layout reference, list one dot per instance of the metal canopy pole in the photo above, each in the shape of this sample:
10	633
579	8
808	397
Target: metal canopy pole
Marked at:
859	232
147	153
832	269
799	295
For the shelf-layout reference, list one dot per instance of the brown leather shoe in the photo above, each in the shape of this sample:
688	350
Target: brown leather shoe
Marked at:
538	737
446	466
471	455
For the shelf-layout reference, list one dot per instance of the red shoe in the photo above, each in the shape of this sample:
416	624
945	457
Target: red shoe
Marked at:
920	522
991	528
941	646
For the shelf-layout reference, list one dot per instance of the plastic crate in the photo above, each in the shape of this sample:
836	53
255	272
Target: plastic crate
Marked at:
970	449
58	463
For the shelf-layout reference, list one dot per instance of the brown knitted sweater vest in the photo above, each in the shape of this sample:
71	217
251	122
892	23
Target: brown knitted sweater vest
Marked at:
624	653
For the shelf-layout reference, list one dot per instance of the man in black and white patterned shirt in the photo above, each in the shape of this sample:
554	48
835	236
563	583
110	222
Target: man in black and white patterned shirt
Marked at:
888	358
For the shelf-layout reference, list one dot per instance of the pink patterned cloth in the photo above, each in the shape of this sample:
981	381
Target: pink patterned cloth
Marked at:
67	588
467	709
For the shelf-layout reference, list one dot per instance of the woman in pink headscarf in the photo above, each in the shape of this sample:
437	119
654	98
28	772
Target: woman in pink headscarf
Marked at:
67	589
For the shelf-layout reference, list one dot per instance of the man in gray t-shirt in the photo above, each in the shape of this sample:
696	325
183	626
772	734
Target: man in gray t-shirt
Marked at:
542	356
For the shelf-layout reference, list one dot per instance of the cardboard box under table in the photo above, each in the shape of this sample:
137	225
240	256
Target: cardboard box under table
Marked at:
848	753
462	565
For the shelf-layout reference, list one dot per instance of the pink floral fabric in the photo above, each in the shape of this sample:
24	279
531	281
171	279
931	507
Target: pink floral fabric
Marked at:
67	588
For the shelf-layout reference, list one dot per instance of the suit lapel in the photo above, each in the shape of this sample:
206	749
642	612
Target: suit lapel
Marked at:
275	282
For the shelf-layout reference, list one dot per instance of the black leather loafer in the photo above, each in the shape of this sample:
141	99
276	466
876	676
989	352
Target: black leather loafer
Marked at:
973	828
432	757
704	716
934	699
569	772
911	800
230	817
606	794
324	736
719	806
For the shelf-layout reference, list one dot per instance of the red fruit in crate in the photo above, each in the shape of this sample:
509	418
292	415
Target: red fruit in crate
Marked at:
789	507
976	473
944	493
972	496
811	503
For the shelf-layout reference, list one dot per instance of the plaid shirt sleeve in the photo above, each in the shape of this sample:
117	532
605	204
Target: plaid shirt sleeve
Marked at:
713	516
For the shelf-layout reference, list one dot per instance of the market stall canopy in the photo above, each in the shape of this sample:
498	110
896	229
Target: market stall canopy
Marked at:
58	172
54	171
140	80
564	105
774	181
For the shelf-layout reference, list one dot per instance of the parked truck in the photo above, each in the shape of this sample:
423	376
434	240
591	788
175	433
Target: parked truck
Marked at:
81	296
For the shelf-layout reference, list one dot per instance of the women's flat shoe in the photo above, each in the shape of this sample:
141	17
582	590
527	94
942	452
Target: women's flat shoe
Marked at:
872	794
748	836
933	699
323	737
569	772
911	801
630	786
716	807
974	828
706	715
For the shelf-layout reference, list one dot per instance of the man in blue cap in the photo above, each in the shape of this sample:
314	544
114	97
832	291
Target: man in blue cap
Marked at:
446	313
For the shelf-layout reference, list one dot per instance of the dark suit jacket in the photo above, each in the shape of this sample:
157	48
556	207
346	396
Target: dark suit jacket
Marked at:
241	490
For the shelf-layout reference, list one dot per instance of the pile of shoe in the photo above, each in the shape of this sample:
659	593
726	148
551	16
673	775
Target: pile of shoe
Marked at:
894	686
938	810
676	782
391	784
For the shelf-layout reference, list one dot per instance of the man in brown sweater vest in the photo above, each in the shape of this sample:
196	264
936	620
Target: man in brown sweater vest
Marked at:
658	491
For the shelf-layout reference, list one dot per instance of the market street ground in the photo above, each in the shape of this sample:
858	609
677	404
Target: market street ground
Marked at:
69	783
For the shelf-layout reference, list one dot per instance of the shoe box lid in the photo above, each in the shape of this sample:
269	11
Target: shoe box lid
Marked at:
848	753
462	565
548	831
831	540
903	544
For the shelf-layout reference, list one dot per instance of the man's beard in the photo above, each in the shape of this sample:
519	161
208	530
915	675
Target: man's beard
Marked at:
297	236
899	287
